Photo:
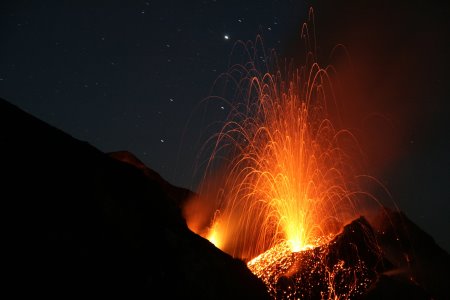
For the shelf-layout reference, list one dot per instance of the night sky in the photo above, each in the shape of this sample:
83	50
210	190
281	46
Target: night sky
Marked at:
129	75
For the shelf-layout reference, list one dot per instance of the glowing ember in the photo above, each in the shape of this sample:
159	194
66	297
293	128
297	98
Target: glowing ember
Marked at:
289	182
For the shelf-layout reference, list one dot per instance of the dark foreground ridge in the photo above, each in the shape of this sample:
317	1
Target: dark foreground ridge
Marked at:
79	222
82	223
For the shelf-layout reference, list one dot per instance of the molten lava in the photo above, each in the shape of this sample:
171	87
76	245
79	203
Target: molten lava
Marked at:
290	177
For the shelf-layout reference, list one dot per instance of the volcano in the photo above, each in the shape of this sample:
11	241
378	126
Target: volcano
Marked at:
389	259
81	222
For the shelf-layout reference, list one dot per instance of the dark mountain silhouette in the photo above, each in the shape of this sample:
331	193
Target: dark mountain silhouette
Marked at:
80	222
177	195
420	268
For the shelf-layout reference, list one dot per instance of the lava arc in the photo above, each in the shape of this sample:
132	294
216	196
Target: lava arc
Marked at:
289	171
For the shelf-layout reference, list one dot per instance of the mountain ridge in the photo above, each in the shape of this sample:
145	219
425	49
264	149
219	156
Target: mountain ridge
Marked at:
80	222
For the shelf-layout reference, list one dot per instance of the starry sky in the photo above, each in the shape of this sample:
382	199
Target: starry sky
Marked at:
129	75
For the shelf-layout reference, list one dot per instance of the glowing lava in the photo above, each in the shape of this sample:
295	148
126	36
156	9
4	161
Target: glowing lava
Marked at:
289	180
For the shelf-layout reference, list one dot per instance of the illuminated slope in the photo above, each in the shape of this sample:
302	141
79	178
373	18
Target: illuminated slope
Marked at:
344	268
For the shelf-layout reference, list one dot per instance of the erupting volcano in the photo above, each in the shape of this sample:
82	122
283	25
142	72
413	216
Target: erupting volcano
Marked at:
290	175
296	177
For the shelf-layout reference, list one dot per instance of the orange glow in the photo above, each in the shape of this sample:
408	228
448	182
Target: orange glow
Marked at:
214	235
283	177
288	170
289	173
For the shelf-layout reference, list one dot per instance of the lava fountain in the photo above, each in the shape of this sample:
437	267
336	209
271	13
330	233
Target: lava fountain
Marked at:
288	173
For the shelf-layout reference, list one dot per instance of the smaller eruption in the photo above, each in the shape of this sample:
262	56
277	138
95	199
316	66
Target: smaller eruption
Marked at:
214	236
